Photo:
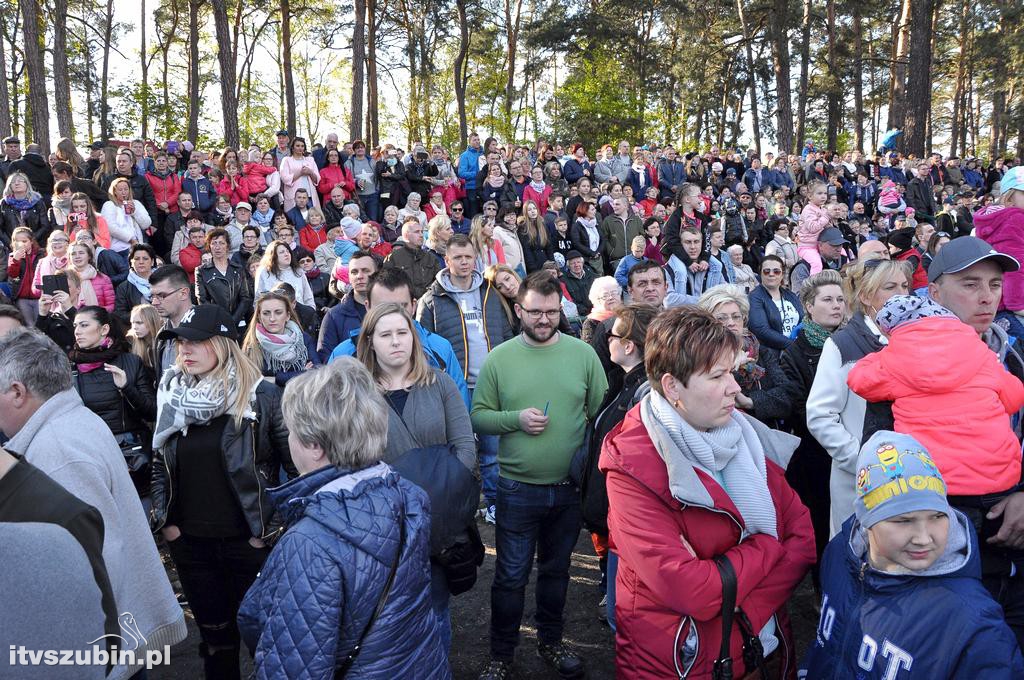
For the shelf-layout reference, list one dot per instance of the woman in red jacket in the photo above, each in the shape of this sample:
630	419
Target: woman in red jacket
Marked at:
692	480
234	185
335	174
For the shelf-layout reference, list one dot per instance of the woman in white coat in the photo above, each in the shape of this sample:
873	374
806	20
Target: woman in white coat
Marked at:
299	171
835	414
127	219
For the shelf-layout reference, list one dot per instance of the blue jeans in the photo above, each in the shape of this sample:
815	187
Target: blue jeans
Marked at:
470	203
613	569
371	206
531	518
487	445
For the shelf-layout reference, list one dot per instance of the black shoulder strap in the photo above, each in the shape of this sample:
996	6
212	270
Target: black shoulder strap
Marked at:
342	669
722	668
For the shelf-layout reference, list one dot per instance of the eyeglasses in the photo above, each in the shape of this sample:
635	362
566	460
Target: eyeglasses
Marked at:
456	209
768	272
536	314
163	296
726	318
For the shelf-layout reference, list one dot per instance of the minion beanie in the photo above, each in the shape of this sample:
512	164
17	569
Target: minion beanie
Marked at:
895	475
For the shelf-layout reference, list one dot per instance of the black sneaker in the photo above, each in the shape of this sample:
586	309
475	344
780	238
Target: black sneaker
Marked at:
497	670
562	659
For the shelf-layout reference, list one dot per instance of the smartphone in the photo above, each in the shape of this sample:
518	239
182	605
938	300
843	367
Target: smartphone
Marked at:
78	217
55	282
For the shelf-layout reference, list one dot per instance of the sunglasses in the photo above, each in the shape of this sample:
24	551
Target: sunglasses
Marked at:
766	272
456	209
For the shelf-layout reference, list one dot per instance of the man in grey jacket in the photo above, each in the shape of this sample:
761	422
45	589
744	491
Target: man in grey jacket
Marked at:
52	429
466	311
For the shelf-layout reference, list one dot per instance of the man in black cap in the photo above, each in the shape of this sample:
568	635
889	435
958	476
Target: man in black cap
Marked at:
12	152
202	322
93	164
281	151
966	277
830	247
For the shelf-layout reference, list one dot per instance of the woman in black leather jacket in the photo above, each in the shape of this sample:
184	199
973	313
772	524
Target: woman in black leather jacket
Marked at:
115	385
219	443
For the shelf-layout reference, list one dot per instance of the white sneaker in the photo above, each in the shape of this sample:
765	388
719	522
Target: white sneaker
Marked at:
489	515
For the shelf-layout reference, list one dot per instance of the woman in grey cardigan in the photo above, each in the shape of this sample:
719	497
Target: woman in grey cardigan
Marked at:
418	394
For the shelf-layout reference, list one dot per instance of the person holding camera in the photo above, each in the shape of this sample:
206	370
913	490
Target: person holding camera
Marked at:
83	216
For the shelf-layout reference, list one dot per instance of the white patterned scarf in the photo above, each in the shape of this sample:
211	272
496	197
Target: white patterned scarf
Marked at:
732	454
183	400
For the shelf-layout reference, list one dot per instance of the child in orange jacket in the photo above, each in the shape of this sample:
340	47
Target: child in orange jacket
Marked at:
949	391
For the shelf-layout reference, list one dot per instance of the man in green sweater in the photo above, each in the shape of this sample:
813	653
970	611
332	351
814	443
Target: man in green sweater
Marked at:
536	391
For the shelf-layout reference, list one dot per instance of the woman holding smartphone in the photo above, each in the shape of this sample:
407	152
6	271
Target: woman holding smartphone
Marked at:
83	216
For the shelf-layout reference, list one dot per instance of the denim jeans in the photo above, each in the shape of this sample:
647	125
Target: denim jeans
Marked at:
470	203
613	569
545	519
371	206
487	444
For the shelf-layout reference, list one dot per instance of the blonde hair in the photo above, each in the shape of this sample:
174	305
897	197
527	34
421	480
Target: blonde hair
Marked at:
1007	197
536	231
715	297
251	345
491	276
143	347
814	283
865	277
420	372
112	191
31	193
481	243
315	212
247	374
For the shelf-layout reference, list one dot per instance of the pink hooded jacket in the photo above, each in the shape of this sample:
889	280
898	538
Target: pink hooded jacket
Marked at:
1002	227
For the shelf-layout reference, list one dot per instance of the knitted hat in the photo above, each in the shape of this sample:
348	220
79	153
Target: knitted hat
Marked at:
895	475
902	309
716	167
902	238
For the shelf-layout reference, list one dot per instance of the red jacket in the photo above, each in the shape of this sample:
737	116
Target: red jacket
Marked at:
540	198
25	270
236	194
330	177
920	275
311	239
190	258
667	576
165	190
256	177
951	393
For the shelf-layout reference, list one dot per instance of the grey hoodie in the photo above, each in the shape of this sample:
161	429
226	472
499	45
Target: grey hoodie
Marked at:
472	306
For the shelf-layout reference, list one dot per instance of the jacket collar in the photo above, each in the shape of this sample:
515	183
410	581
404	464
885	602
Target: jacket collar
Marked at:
48	413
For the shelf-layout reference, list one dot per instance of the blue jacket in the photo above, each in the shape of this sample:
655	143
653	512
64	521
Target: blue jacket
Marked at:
339	324
670	173
204	196
865	194
895	174
765	320
320	585
755	180
572	171
296	218
974	179
438	350
469	166
938	624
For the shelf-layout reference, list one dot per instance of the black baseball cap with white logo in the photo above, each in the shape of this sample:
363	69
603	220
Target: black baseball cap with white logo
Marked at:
965	251
202	322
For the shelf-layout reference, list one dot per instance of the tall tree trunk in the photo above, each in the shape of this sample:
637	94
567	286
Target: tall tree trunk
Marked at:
90	108
36	71
5	96
898	71
779	27
919	88
144	65
751	80
226	60
192	131
512	23
372	104
858	79
959	95
832	106
355	125
286	65
61	81
805	65
108	31
459	75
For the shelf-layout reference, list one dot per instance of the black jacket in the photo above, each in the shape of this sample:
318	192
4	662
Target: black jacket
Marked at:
253	456
59	328
35	218
579	288
534	254
38	172
771	396
141	190
90	189
125	298
123	410
227	290
921	198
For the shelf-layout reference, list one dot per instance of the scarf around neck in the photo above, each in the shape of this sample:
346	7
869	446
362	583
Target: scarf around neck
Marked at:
87	293
539	187
816	335
285	351
21	204
90	359
183	400
141	284
731	454
749	373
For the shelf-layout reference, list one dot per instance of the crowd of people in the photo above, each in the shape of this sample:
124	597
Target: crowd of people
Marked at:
309	373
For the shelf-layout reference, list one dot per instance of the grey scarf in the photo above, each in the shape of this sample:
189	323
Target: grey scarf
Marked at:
731	454
182	400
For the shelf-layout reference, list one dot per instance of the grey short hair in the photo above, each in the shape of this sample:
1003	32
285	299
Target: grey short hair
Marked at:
340	408
715	297
34	360
350	209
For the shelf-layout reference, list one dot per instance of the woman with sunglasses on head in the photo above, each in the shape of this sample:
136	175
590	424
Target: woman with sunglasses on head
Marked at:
276	342
219	444
775	312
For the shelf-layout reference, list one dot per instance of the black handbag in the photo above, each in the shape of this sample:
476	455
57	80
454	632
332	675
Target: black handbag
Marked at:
342	669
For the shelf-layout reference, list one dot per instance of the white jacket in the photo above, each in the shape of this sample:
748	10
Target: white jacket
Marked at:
265	280
835	417
124	227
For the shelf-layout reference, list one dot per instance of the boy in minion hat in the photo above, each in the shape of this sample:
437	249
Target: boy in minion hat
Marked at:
902	597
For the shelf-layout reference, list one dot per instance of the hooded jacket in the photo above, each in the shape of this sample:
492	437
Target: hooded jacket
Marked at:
1002	227
939	623
421	265
668	590
958	412
320	586
341	322
439	312
166	188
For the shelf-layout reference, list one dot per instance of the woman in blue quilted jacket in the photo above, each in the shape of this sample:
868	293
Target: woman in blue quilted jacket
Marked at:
358	535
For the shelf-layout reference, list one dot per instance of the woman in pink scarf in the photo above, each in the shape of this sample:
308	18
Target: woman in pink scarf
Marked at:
96	289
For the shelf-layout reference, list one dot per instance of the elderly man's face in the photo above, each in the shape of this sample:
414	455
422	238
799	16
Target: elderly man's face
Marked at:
332	142
972	294
829	251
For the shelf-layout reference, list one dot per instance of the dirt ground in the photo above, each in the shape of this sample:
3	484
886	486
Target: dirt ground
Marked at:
471	617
